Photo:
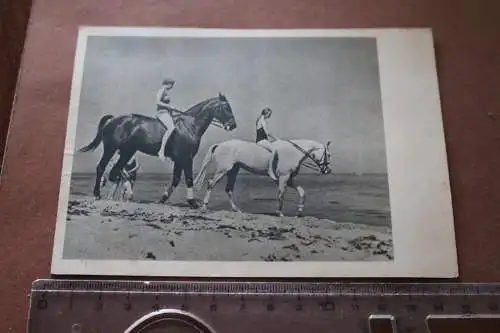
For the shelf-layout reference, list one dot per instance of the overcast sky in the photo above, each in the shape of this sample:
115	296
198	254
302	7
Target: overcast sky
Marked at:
319	88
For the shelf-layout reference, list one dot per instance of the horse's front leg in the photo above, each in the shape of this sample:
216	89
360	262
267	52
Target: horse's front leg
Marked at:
302	196
282	184
175	182
188	175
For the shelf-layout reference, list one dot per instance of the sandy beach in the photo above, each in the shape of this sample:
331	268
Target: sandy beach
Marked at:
137	231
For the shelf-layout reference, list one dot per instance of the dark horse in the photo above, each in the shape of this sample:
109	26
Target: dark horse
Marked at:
134	132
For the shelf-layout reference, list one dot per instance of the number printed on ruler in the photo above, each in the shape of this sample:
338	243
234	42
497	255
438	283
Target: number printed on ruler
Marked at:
224	307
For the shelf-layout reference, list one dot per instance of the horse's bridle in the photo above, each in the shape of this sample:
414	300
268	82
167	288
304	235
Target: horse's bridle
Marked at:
216	122
321	163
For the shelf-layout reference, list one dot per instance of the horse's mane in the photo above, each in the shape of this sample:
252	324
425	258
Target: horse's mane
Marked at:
193	110
197	106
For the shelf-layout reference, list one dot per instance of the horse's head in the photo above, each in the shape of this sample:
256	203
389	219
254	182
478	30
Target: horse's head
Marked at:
224	113
322	157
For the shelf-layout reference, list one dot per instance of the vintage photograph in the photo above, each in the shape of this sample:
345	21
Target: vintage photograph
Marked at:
222	152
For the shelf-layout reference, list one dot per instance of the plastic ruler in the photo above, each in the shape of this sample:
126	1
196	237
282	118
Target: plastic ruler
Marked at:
97	306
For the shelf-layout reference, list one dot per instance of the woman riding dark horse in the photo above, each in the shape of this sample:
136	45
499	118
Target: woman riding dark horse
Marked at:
134	132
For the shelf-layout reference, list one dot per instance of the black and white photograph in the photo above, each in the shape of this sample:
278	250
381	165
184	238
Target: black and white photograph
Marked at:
213	152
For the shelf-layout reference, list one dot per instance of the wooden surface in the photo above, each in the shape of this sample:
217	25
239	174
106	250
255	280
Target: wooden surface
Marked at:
13	22
468	56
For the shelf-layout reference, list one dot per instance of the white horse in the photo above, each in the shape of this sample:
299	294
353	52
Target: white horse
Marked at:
120	189
229	156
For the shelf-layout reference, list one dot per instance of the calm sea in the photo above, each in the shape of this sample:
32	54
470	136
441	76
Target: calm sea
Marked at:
339	197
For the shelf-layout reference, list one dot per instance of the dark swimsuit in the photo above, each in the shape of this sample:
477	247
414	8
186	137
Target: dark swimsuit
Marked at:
164	99
261	135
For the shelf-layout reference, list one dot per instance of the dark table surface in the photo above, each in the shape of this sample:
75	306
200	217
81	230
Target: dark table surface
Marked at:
468	56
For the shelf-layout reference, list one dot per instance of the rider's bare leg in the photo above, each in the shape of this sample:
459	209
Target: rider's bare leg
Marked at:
267	144
270	170
169	126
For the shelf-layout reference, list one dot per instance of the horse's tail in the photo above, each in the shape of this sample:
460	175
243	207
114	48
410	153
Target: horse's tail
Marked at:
200	178
98	138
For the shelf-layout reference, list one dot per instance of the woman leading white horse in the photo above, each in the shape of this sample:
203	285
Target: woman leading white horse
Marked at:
287	159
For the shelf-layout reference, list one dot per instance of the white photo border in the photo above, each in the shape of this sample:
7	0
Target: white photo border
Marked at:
420	197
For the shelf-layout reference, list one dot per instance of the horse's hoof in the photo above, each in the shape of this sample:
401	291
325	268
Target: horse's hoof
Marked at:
193	203
204	209
300	214
280	214
163	199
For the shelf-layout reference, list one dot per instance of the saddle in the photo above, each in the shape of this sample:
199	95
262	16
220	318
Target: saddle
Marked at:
174	113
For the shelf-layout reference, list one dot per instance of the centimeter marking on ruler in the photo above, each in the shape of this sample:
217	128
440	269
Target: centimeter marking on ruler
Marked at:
111	306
